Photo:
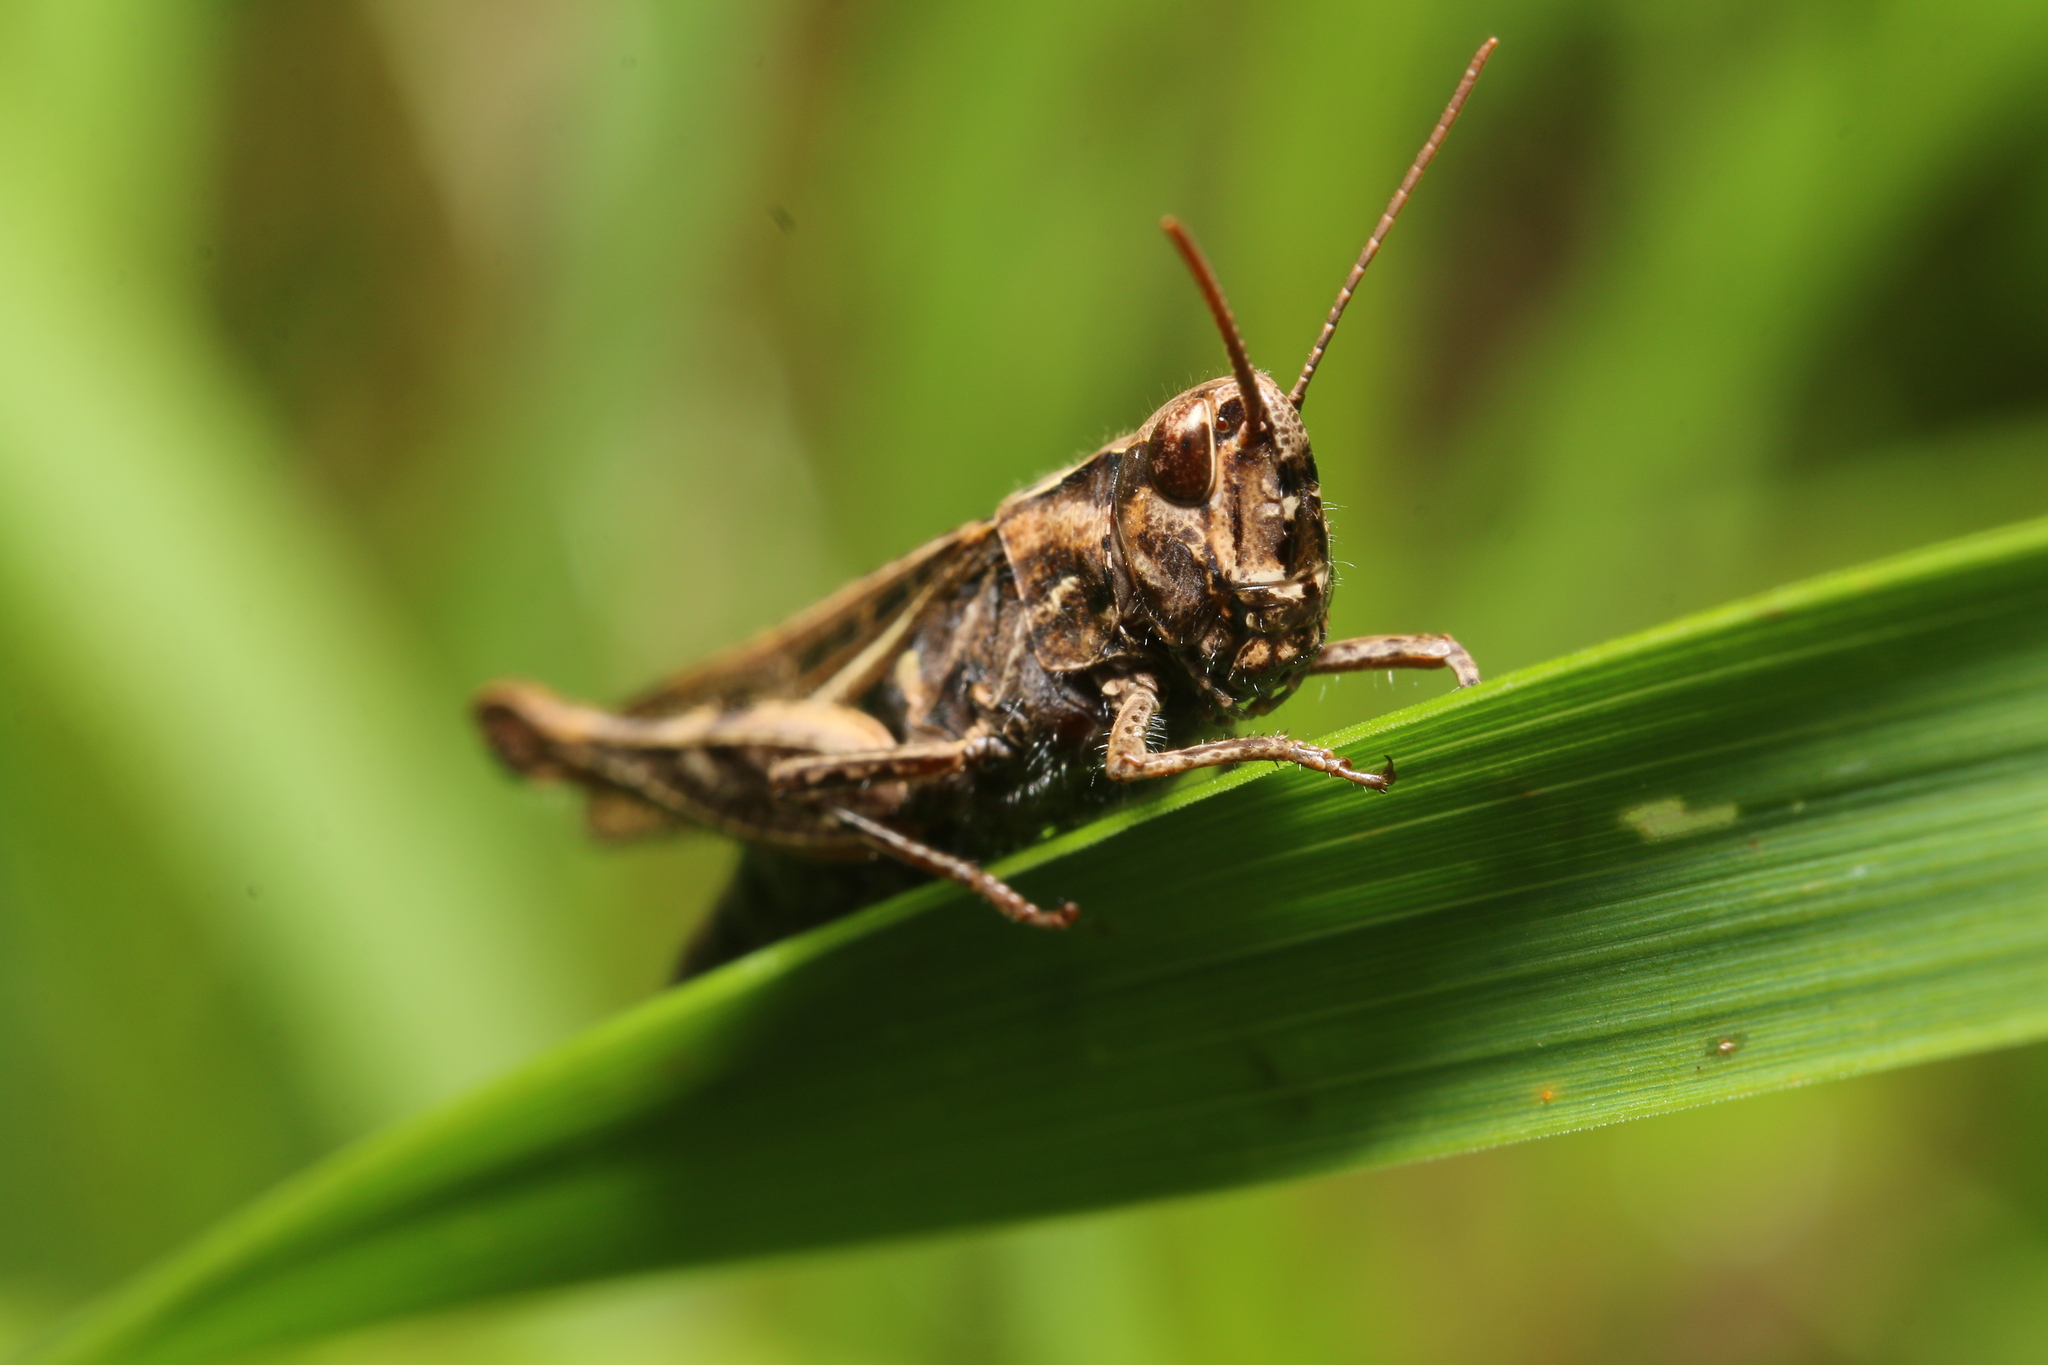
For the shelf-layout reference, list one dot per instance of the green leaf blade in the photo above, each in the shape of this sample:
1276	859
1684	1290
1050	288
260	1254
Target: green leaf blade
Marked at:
1798	838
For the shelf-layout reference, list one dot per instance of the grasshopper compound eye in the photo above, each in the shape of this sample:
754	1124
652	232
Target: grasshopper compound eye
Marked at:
1180	456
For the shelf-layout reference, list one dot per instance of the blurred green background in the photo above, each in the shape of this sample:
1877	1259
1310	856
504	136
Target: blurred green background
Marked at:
355	351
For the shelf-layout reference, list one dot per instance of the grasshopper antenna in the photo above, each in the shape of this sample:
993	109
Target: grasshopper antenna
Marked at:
1394	207
1240	362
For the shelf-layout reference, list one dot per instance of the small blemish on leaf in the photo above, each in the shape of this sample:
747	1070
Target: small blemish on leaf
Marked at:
1669	819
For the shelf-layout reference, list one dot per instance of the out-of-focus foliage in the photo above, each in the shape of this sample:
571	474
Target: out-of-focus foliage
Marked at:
351	353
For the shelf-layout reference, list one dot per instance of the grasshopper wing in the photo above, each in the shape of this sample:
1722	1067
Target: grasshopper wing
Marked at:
832	651
822	659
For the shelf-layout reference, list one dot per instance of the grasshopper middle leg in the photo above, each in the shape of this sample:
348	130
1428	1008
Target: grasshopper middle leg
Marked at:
806	775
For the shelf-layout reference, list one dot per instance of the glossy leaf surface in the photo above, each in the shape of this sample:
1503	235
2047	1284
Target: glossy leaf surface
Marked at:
1802	837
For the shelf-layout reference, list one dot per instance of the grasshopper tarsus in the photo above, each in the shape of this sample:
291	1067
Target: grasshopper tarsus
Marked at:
1372	781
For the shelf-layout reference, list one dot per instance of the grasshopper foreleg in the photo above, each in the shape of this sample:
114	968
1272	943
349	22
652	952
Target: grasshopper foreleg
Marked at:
994	890
1128	759
1370	652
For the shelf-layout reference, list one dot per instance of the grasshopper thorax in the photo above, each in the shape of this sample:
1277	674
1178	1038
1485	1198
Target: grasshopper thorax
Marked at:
1220	534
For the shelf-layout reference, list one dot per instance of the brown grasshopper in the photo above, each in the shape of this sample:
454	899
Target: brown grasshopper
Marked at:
959	703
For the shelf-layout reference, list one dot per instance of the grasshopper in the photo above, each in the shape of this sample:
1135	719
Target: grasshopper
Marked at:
962	701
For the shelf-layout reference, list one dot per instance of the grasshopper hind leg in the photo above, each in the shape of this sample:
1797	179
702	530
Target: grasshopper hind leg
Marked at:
1004	897
774	895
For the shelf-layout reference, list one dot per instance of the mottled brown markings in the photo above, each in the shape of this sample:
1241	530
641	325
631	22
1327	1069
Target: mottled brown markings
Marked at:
1050	536
862	671
963	700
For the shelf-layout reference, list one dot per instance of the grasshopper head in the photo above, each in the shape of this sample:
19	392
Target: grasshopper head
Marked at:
1218	518
1219	526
